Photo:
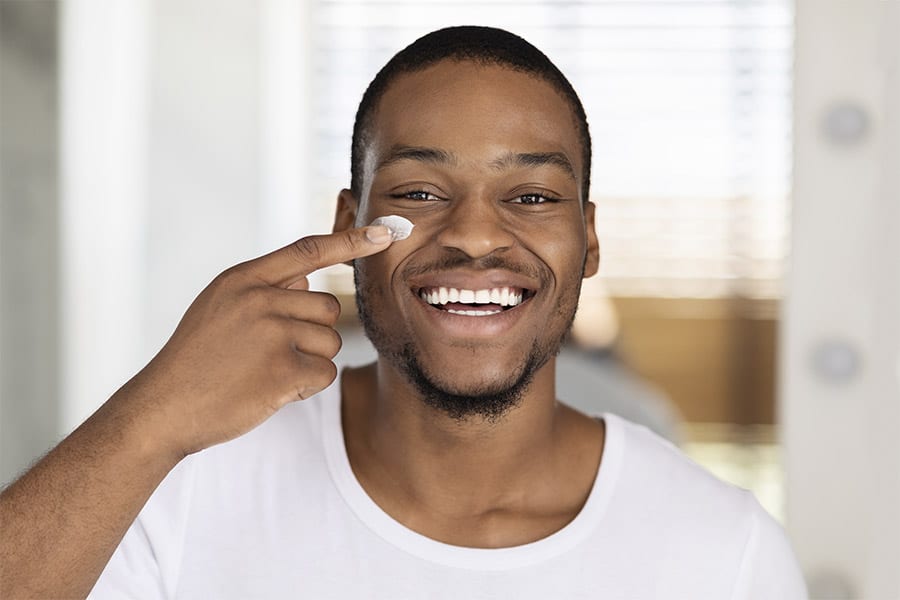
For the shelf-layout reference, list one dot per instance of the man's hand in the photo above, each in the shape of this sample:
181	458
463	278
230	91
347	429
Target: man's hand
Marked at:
252	341
255	339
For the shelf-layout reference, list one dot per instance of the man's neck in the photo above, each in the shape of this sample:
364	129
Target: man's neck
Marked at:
423	467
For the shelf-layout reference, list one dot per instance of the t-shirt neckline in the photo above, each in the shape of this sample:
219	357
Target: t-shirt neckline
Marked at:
480	559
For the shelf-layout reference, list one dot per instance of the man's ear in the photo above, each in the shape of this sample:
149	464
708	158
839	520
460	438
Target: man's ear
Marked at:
345	214
592	260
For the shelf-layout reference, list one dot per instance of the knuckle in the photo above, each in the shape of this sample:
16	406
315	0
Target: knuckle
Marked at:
308	249
319	373
352	242
256	298
266	334
271	329
283	367
334	343
331	306
328	373
247	308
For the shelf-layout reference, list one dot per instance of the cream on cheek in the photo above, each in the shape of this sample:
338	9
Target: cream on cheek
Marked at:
399	227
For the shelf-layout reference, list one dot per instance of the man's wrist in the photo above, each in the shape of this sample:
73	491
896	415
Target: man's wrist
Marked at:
145	432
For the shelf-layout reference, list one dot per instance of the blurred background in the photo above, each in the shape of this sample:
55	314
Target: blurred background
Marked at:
746	173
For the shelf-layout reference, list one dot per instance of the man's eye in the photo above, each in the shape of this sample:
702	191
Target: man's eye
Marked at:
533	199
415	195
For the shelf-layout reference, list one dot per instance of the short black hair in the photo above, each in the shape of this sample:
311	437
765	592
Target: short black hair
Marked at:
482	45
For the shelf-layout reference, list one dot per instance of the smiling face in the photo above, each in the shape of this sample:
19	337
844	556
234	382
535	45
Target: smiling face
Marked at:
486	162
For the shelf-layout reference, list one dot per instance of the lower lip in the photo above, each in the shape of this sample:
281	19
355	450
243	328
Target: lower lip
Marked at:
473	326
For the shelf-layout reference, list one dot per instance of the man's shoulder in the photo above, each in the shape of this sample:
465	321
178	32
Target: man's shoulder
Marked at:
675	514
647	451
659	476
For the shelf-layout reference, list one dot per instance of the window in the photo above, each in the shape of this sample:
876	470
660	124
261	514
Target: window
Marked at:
689	105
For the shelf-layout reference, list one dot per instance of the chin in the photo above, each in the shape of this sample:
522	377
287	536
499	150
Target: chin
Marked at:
474	384
464	372
486	394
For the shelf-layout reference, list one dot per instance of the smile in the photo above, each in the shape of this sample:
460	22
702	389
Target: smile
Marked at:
473	303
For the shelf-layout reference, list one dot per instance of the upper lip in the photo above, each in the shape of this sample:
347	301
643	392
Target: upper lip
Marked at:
473	280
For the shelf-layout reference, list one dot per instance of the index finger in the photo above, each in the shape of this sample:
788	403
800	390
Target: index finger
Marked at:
295	261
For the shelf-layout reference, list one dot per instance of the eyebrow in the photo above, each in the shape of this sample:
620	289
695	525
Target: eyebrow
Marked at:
535	159
429	155
510	160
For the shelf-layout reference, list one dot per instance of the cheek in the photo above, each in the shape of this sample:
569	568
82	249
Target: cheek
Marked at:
564	255
378	272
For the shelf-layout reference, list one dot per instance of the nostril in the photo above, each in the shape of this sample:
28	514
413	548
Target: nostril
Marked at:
475	237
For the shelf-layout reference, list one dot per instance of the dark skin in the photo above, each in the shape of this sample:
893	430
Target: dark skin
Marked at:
256	339
473	483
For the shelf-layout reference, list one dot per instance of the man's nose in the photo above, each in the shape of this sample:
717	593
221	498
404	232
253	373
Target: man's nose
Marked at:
475	226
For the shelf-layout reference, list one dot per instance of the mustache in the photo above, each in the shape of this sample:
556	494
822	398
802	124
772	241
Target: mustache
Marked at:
458	260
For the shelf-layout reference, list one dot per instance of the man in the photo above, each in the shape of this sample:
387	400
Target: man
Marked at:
447	469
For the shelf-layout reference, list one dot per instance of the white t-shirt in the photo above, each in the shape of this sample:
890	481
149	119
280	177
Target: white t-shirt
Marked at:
278	513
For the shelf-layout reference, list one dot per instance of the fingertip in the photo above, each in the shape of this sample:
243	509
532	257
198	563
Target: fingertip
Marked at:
400	227
378	234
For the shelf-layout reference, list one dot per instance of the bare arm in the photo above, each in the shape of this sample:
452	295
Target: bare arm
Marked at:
253	340
63	519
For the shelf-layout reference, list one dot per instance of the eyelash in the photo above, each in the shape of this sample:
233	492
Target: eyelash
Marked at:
407	196
547	199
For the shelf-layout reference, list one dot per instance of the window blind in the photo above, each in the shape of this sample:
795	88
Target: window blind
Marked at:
689	104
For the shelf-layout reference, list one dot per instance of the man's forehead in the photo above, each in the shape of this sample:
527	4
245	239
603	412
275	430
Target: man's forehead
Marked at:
467	80
456	106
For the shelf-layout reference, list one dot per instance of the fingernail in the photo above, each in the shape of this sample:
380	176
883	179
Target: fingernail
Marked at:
400	227
378	234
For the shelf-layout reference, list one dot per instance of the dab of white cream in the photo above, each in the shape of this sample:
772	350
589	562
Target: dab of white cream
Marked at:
399	227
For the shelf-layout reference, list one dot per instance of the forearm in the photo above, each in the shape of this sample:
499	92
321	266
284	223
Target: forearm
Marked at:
63	519
255	339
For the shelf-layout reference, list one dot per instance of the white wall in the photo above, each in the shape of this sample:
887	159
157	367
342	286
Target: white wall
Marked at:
203	152
840	352
104	61
163	185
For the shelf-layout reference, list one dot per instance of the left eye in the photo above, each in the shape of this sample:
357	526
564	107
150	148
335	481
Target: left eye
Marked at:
532	199
415	195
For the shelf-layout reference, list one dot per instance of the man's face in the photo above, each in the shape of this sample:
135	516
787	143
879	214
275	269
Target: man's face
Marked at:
486	162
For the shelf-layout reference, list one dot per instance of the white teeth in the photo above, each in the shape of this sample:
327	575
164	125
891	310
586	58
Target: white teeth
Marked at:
474	313
442	295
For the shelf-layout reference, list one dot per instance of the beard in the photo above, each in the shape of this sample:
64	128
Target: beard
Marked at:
488	401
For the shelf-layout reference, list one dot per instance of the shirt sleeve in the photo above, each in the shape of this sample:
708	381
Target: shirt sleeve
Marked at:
769	568
146	563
